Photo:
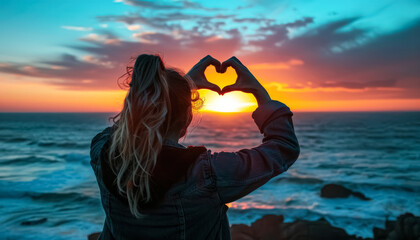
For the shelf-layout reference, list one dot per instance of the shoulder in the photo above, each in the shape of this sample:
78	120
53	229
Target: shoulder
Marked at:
98	141
201	170
100	136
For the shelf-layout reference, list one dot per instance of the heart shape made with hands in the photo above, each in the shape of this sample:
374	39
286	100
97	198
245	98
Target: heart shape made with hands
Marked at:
235	101
220	79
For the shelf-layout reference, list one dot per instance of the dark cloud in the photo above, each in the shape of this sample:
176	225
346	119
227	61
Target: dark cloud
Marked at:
165	21
336	58
151	5
156	22
264	21
154	5
275	34
105	62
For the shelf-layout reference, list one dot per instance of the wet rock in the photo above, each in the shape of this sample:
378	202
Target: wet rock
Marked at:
265	228
242	232
313	230
33	222
94	236
272	227
338	191
407	226
269	226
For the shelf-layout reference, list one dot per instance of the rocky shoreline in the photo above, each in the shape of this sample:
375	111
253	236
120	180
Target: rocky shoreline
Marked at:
407	226
273	227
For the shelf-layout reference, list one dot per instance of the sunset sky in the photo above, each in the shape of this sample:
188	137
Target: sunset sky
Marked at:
66	56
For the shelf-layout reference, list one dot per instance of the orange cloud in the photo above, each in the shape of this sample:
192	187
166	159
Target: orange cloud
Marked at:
277	65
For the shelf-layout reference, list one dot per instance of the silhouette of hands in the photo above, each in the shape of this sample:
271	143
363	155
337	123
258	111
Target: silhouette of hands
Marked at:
246	82
197	73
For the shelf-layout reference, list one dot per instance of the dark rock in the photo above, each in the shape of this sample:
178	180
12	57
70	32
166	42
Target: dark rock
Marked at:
361	196
94	236
241	232
272	227
379	233
338	191
33	222
265	228
407	226
313	230
268	227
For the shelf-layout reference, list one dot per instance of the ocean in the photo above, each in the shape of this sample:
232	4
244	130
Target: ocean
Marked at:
46	178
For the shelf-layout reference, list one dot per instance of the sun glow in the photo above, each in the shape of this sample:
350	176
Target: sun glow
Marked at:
230	102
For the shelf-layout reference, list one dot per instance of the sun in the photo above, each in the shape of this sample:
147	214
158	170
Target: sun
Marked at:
230	102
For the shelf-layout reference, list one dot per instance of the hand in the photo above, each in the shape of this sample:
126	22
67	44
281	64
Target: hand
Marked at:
246	82
197	73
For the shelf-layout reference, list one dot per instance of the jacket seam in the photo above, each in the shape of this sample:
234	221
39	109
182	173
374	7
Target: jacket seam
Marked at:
181	218
213	178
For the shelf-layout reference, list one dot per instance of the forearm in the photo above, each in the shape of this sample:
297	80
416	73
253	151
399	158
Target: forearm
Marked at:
274	120
239	173
261	95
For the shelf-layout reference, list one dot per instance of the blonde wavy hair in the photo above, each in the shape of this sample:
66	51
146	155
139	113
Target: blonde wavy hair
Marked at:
158	100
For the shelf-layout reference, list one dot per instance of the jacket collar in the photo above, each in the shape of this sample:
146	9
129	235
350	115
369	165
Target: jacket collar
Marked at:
172	143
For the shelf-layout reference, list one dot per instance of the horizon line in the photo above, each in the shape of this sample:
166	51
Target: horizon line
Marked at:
215	112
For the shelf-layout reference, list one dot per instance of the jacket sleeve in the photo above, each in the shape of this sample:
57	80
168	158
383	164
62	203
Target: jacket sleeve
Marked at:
239	173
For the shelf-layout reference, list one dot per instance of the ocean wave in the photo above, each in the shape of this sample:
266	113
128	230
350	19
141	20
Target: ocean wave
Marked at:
77	158
8	139
62	144
298	180
27	160
375	154
355	185
56	196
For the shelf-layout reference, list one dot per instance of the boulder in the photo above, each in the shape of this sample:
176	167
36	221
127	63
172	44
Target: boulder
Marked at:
242	232
94	236
407	226
268	227
338	191
272	227
313	230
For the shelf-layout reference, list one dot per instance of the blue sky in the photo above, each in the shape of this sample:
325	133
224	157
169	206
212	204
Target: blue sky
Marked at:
34	29
316	46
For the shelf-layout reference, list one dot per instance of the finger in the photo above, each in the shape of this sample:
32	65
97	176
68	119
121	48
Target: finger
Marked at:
229	88
237	60
213	87
237	87
209	60
231	62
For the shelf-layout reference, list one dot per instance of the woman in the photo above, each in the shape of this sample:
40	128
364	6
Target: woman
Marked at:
151	186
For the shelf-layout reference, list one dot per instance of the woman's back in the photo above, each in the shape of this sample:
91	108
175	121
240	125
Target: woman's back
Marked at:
190	206
193	207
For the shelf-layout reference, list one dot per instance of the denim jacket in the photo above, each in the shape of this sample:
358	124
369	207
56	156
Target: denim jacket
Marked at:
194	207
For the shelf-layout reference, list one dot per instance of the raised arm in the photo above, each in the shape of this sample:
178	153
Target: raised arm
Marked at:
239	173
